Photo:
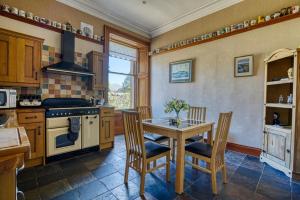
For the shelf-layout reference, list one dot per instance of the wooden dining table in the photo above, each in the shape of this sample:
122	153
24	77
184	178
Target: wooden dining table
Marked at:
185	129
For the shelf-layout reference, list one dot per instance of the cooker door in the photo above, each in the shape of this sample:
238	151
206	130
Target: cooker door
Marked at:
3	99
58	141
90	130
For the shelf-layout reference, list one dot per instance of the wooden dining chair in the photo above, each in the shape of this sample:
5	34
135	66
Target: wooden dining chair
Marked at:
199	114
214	155
140	154
146	113
194	113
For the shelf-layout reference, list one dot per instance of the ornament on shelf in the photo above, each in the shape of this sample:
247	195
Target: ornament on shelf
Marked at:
280	99
290	73
276	119
290	99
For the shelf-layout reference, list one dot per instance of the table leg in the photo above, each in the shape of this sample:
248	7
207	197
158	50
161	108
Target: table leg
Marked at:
180	160
210	135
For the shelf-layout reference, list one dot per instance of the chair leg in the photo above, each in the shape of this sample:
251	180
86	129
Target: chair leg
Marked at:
214	181
126	170
224	173
168	167
143	176
196	161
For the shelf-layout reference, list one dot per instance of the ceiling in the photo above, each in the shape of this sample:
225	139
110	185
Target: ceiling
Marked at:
149	17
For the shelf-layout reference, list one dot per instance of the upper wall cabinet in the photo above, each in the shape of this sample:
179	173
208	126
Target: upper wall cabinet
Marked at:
95	62
20	59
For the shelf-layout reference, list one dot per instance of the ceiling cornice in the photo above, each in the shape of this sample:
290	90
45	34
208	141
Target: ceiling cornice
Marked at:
204	10
87	8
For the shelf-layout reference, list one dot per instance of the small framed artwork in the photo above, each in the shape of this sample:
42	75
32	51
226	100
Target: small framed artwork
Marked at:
181	71
87	29
243	66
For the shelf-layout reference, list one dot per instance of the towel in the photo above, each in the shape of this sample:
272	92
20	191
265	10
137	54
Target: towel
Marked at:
74	127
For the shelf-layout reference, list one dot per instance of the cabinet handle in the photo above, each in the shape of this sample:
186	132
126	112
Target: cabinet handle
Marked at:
33	117
288	151
36	76
264	151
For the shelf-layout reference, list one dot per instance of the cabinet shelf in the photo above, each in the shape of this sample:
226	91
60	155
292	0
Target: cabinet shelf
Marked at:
280	82
279	105
286	129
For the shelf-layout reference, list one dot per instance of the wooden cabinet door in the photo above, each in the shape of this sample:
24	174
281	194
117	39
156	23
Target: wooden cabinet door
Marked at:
7	58
106	129
35	133
278	147
95	61
29	61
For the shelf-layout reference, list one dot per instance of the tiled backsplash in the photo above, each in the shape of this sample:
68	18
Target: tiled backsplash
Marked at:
58	85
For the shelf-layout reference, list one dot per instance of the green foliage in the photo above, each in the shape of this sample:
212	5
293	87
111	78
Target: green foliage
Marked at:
176	105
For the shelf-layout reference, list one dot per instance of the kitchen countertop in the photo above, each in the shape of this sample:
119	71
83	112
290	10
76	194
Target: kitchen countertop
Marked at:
14	141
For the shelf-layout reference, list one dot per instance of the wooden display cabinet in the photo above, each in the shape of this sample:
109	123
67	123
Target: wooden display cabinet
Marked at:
107	127
20	56
280	142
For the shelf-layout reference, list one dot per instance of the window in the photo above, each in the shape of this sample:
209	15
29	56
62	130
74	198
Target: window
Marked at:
121	76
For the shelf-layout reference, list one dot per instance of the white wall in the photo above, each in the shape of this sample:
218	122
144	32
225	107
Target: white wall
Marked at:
214	85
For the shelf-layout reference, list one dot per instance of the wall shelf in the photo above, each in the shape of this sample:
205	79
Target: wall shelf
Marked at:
45	26
279	105
280	82
260	25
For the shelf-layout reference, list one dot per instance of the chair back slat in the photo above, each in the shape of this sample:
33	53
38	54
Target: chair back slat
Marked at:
197	113
145	112
134	138
221	136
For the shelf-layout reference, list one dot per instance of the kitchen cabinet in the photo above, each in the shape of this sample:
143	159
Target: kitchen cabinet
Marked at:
33	120
107	125
20	59
95	64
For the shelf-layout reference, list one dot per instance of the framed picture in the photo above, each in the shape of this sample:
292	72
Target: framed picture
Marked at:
181	71
243	66
87	29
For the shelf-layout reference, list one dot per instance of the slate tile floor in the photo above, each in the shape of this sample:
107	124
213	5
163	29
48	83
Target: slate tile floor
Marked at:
99	176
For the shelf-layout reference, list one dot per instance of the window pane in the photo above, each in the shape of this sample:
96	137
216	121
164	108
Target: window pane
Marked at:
120	65
121	91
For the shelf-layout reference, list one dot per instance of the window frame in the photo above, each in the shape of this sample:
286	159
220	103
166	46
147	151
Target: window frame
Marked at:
134	75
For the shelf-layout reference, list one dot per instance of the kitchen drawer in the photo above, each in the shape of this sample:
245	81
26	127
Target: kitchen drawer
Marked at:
107	112
31	117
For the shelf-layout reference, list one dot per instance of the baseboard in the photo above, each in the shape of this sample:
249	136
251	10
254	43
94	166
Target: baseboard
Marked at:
244	149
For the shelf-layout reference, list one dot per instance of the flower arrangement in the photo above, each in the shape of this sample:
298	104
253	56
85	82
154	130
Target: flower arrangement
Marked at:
176	105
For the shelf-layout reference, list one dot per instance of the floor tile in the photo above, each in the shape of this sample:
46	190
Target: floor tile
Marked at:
246	177
113	180
27	185
91	190
253	163
54	189
70	195
50	178
33	194
80	179
27	174
128	191
104	170
48	169
106	196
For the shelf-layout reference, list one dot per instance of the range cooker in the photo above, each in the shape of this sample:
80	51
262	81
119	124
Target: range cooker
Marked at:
71	124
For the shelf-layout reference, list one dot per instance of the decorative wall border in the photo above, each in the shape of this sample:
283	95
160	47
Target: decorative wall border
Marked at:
194	41
45	26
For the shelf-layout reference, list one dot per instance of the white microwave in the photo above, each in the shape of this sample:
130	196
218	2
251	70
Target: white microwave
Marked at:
8	98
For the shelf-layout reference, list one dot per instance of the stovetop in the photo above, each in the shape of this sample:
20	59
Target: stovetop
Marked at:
64	107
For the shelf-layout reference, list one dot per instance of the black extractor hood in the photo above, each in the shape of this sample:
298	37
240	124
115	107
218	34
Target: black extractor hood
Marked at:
67	65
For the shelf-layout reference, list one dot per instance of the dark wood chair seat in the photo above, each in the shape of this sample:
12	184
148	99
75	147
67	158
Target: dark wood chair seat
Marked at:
154	149
196	138
199	148
154	137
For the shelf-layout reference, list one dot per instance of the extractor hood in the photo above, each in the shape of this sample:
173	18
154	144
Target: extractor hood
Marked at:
67	65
